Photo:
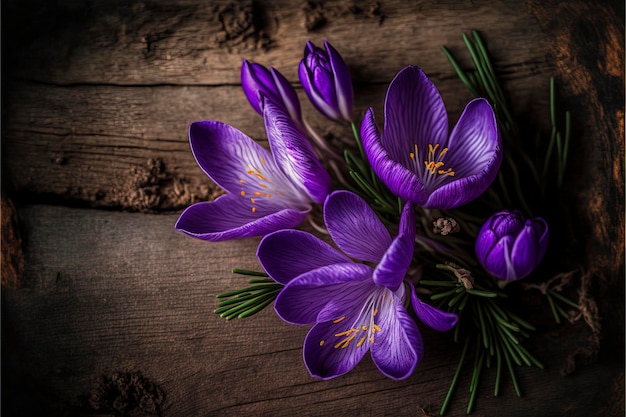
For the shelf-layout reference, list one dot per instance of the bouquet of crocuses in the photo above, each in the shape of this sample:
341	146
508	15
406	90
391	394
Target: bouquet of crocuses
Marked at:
425	229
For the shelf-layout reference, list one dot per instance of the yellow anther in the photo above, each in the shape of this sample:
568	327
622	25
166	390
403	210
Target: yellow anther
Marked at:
321	343
433	164
339	319
243	193
411	155
241	181
364	327
345	342
360	342
347	332
254	209
375	311
252	200
263	185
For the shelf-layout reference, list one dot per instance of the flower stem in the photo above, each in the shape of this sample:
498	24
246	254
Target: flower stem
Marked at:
455	379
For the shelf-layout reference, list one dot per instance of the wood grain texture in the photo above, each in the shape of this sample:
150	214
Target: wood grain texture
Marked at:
118	293
587	50
112	314
99	113
190	42
109	146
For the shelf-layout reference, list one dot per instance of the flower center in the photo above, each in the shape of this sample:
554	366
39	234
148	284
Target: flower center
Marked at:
364	328
434	161
258	187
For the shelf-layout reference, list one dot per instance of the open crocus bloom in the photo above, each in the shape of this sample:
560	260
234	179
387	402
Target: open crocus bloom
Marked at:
415	157
355	307
265	191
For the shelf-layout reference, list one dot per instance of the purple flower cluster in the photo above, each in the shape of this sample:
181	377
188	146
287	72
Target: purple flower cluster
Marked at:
354	307
355	299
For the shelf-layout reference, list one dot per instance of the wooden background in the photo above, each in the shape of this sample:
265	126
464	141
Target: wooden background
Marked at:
107	310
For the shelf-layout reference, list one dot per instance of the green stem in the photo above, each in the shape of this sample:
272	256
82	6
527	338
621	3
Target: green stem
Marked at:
455	379
250	273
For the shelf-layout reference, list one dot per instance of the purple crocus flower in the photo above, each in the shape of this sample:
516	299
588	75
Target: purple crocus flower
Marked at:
259	82
510	247
415	157
355	307
327	82
265	191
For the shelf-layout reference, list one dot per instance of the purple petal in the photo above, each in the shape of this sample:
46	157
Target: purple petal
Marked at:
528	249
250	84
524	253
351	299
231	217
344	331
498	261
302	299
239	165
398	346
288	95
414	115
391	269
324	83
506	223
288	253
475	156
354	227
431	316
343	82
400	180
324	354
294	154
308	83
485	242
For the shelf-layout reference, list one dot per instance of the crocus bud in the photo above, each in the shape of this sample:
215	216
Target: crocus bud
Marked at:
326	80
259	82
510	247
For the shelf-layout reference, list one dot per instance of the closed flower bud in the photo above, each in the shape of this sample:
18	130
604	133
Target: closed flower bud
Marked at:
510	247
326	81
258	83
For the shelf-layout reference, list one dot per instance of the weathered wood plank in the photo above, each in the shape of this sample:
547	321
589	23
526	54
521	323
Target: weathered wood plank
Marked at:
109	146
587	49
106	295
97	101
191	42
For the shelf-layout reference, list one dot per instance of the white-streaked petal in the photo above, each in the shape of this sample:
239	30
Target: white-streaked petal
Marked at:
354	226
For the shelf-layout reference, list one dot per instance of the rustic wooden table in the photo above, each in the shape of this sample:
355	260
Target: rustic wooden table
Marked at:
107	310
